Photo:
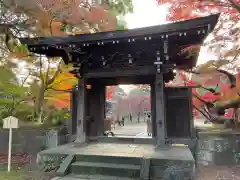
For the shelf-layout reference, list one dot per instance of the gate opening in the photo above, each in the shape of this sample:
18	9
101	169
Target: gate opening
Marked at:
128	111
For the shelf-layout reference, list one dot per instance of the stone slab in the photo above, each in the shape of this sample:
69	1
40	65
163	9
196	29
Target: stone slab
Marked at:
106	165
92	177
123	149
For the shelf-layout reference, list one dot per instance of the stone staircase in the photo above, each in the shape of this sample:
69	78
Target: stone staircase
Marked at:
104	167
118	161
95	167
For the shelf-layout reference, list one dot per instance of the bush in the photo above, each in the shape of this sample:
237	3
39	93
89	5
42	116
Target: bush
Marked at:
22	112
56	118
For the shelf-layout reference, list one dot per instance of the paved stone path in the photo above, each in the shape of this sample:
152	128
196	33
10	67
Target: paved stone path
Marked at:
131	129
140	129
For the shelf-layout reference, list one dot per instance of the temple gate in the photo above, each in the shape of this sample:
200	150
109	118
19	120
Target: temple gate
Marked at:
139	56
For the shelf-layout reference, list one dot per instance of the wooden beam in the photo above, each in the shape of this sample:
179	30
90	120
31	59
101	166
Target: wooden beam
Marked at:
108	73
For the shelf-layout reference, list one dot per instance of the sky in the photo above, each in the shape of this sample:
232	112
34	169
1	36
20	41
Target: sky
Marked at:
146	13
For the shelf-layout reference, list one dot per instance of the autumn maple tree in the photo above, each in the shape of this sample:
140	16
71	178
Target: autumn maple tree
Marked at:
50	79
223	43
189	9
226	33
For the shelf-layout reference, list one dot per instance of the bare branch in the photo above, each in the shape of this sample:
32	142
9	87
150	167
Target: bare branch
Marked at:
199	110
235	5
58	70
60	90
235	58
40	69
47	73
25	79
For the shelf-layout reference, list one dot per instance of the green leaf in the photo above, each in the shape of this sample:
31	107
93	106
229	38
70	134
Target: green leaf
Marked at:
120	7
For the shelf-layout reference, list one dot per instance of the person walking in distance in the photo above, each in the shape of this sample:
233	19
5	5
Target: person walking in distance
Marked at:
138	117
130	117
149	125
113	122
123	121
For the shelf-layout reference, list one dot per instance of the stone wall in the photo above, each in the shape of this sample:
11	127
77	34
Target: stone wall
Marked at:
213	148
31	140
216	148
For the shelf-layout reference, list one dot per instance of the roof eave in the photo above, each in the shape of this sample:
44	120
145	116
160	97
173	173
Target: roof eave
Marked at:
209	21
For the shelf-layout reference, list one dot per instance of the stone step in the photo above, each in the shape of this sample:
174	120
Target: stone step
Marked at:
109	159
92	177
109	169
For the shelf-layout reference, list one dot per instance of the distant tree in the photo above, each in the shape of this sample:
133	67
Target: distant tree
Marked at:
224	41
51	80
14	95
144	87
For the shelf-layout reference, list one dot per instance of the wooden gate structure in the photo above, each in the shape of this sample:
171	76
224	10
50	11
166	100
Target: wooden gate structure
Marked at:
139	56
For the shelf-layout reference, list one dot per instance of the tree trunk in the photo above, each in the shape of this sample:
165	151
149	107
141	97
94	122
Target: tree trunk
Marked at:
236	118
40	104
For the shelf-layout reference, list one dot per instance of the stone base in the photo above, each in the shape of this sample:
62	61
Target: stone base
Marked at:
135	161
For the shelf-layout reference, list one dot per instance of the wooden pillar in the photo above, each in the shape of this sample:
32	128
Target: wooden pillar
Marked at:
160	110
96	106
92	105
153	110
101	117
81	133
72	122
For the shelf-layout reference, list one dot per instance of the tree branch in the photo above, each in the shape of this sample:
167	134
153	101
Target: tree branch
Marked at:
201	112
235	5
230	76
51	80
60	90
40	70
47	73
25	79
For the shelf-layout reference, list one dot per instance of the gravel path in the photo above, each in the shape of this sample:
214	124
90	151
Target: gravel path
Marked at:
36	175
33	173
218	173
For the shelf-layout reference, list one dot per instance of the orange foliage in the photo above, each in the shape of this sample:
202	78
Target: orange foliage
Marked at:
63	101
61	89
226	30
48	16
63	81
53	18
189	9
109	91
227	94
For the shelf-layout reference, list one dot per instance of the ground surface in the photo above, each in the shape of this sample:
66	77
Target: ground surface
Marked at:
23	175
23	168
131	129
218	173
205	173
28	169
